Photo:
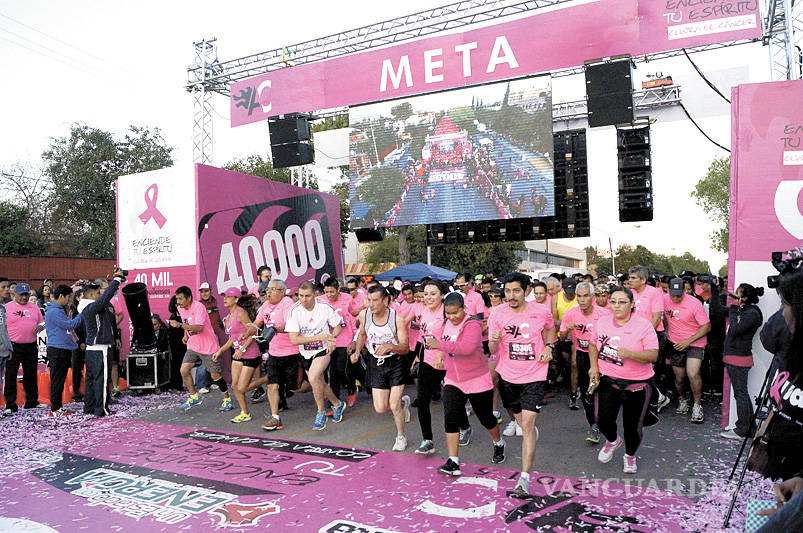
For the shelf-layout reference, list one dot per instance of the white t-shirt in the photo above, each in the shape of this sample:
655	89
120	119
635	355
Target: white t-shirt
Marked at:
320	320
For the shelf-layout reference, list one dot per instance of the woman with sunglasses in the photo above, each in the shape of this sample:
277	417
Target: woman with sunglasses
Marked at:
621	353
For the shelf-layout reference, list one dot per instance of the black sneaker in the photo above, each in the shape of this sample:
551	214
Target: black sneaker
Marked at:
573	401
258	395
499	453
78	398
450	468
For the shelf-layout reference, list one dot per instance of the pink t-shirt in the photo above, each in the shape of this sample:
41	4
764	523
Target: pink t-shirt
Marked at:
649	301
637	335
359	301
583	325
522	343
21	320
118	304
204	342
606	308
276	315
431	324
465	362
234	328
684	319
343	307
474	304
413	327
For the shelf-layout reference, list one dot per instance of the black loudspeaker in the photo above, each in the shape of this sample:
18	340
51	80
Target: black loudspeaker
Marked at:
609	88
139	312
292	155
288	146
370	234
635	174
288	130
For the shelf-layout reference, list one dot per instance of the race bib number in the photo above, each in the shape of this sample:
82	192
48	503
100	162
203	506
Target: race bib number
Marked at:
314	346
522	352
611	355
414	324
582	344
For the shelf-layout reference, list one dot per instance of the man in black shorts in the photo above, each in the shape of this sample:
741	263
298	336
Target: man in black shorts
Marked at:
386	335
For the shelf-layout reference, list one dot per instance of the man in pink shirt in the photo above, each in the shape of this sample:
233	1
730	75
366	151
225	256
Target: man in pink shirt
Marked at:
522	335
357	295
283	358
24	321
201	346
344	305
687	325
472	300
648	301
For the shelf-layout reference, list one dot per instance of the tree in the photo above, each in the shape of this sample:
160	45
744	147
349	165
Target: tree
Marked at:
627	256
341	189
712	193
83	168
16	238
256	165
499	258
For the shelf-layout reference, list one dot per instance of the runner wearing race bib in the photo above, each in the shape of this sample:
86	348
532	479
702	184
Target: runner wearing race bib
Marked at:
313	327
384	333
578	326
522	333
343	305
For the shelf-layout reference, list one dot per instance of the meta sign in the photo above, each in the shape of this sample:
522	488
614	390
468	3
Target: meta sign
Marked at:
563	36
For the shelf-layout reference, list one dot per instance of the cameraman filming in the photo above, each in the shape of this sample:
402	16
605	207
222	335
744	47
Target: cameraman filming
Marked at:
778	441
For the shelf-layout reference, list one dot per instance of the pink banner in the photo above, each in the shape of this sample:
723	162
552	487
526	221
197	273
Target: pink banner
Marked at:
766	170
556	39
245	222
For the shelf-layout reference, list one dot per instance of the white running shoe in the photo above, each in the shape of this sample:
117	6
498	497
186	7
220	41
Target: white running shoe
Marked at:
630	466
510	429
401	444
606	453
406	408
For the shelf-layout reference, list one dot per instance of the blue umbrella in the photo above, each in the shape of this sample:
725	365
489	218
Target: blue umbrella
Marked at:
417	272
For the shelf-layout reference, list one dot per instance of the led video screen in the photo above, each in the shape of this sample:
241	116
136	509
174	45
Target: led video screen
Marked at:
479	153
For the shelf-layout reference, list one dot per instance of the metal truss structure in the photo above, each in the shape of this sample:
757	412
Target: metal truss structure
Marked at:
783	34
208	75
645	99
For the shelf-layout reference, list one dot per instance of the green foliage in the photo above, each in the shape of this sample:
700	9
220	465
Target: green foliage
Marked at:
381	189
476	258
402	111
16	237
712	193
256	165
332	123
341	189
627	256
83	168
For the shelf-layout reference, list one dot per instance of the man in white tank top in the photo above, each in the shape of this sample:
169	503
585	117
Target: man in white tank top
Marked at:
384	333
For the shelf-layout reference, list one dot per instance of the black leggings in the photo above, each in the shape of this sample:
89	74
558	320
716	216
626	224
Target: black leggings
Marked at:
589	405
454	408
337	372
634	406
429	380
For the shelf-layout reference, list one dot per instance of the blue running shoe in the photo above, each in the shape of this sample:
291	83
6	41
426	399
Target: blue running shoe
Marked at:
191	401
320	421
226	405
337	412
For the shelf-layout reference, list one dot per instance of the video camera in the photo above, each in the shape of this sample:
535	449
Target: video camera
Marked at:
784	263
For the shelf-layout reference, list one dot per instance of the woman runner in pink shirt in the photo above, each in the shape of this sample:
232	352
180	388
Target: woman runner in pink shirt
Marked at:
622	350
246	356
467	378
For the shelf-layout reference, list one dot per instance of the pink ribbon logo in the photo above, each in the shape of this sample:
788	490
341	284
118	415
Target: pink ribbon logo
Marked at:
775	389
151	212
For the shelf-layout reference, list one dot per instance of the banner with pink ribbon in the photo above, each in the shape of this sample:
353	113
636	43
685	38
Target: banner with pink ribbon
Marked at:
559	38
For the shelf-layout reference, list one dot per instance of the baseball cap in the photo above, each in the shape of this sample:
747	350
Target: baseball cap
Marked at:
601	288
22	288
676	287
569	285
205	285
231	291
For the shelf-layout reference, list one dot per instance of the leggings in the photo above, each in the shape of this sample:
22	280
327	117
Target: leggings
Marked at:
337	372
454	408
589	405
634	405
429	380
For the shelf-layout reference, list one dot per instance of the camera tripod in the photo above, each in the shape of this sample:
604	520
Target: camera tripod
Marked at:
759	415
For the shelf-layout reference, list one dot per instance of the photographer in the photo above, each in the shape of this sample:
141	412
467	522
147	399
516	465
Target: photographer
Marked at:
779	444
744	320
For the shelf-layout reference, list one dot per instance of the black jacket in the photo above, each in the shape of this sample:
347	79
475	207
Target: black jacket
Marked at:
99	319
744	321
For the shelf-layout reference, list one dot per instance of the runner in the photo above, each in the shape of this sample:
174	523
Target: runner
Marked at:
201	345
283	362
561	303
386	334
578	325
601	293
522	333
344	305
245	357
467	379
430	369
313	327
687	324
353	286
622	350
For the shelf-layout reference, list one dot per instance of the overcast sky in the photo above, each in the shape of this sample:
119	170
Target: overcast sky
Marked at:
112	64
